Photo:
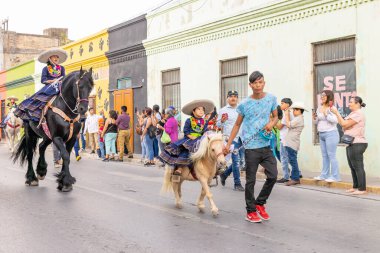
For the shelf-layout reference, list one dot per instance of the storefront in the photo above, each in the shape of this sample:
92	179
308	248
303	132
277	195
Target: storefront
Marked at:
128	70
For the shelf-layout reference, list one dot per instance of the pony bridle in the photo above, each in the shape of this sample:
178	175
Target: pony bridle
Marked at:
79	99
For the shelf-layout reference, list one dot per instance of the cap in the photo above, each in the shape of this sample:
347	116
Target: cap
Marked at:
232	93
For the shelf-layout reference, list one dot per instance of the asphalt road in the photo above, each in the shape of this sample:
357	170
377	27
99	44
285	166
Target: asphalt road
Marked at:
117	207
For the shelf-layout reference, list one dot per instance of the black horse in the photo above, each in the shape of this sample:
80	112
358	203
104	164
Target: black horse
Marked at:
62	120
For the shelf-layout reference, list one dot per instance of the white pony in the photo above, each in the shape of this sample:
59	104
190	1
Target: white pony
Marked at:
209	155
12	129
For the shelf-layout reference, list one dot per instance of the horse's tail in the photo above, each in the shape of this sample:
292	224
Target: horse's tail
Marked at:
167	185
28	141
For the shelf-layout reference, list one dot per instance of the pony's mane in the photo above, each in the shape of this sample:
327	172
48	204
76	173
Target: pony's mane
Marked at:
203	149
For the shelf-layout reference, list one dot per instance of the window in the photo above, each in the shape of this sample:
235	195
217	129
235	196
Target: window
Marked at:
234	76
171	89
124	83
334	69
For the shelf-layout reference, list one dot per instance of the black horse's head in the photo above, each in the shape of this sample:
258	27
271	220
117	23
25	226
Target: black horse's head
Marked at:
85	84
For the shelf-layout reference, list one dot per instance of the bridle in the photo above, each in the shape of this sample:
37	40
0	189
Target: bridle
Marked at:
79	99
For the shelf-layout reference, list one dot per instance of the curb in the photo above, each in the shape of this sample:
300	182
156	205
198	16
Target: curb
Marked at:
334	185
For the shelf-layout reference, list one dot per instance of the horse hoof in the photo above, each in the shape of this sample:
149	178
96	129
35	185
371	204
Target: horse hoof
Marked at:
67	188
201	209
215	213
32	183
179	206
40	177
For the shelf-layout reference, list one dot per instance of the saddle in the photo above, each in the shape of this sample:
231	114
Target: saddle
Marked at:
58	111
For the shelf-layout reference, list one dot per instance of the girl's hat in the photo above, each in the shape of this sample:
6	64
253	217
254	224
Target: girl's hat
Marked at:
12	97
101	121
44	57
205	103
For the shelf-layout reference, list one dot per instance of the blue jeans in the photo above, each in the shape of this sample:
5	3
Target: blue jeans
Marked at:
76	147
329	142
102	148
242	157
143	153
83	139
234	167
292	155
149	153
284	162
155	147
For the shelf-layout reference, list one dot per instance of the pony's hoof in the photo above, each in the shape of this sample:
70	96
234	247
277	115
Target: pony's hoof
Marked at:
179	205
68	188
40	177
201	209
215	213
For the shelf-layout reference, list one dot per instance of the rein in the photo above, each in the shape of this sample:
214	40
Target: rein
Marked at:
13	126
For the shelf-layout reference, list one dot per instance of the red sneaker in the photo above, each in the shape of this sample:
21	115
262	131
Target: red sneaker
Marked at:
253	217
262	213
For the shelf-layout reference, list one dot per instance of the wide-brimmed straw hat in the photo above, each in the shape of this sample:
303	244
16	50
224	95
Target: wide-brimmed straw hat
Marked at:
298	105
44	57
207	104
12	97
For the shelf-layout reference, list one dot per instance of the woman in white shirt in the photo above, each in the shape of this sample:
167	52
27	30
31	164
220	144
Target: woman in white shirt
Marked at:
326	123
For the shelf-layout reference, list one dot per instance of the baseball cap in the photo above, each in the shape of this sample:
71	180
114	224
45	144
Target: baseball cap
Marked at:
232	93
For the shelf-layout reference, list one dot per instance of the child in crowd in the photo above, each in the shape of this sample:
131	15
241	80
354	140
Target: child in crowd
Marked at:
292	140
102	148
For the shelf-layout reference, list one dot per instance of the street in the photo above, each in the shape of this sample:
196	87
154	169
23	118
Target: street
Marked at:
117	207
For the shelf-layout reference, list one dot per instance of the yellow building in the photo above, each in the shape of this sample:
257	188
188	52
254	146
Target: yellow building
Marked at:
90	52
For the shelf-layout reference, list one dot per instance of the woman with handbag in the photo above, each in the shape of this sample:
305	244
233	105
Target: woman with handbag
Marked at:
326	122
148	135
171	125
354	136
109	134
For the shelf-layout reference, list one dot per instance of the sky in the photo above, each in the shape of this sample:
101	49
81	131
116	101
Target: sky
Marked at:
81	17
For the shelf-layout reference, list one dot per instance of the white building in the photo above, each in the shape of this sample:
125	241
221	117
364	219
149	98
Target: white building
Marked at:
203	48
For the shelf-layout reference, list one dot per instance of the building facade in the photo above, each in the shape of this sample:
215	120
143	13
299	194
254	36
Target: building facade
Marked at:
128	70
202	49
90	52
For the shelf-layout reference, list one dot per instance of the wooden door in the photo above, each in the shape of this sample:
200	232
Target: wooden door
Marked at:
125	97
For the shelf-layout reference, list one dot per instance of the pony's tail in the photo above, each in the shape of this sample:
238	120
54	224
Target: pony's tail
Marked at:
28	141
167	185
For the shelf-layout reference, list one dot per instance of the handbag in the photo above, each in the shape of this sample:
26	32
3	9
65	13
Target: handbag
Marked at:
152	131
165	138
138	129
347	139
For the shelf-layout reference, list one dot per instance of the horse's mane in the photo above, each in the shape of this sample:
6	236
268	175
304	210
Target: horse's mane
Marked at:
203	149
70	78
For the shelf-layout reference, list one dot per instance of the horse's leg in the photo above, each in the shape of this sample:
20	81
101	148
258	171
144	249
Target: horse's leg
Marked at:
31	178
64	178
178	202
41	164
200	203
204	183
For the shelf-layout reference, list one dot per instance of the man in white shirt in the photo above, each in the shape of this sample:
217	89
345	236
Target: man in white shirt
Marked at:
226	120
92	127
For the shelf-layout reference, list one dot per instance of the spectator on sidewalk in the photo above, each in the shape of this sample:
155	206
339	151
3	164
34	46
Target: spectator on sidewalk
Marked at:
92	127
171	125
123	123
354	126
109	134
141	118
82	134
281	125
76	149
157	144
254	113
56	156
226	120
102	147
149	135
326	122
292	140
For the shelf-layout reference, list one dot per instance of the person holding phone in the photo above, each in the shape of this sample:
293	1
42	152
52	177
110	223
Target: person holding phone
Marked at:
326	122
226	120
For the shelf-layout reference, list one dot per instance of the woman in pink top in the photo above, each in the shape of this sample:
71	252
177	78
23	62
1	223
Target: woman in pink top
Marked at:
354	125
171	125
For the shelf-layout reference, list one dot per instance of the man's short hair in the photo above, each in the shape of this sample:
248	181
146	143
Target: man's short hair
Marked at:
287	100
91	108
124	108
255	76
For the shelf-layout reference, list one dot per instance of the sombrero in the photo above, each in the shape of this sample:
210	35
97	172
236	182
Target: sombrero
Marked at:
12	97
299	105
44	57
207	104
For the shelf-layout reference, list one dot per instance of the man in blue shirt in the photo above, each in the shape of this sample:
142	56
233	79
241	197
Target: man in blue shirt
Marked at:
226	120
254	113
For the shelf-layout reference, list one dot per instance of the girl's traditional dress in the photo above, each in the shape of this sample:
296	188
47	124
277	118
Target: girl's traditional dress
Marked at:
31	108
178	153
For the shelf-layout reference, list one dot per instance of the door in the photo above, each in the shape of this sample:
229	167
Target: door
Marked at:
125	97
